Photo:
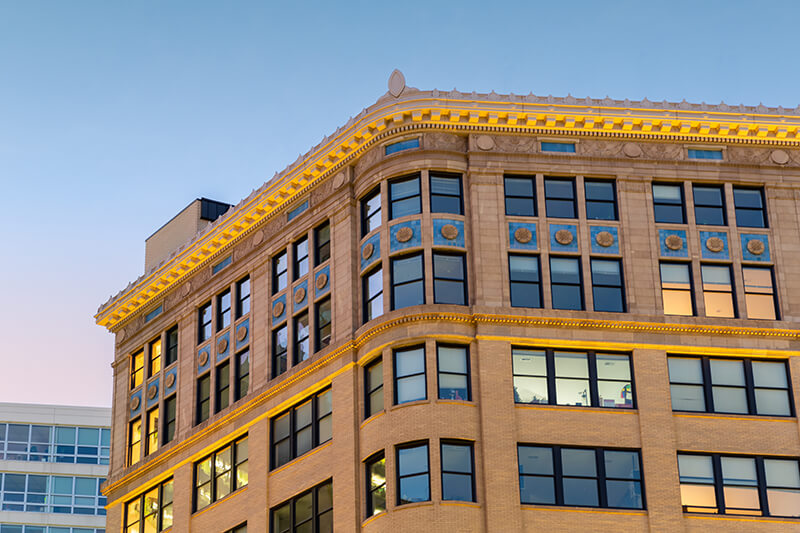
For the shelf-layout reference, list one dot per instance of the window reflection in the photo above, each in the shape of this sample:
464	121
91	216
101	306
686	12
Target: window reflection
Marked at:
676	289
717	291
759	293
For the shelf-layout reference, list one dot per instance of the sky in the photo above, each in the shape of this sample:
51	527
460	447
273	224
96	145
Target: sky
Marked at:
115	115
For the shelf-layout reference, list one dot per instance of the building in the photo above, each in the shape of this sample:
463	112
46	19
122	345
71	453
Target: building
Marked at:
53	460
478	312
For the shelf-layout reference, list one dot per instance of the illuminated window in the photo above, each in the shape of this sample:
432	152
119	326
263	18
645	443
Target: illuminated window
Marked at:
280	349
170	418
668	203
137	369
221	473
601	199
301	429
676	289
152	431
409	375
280	269
709	205
408	281
449	279
203	398
204	323
242	374
413	477
301	336
750	208
322	338
371	211
526	289
520	193
322	243
458	480
223	386
375	468
559	197
373	294
718	291
607	286
135	441
155	358
311	511
566	283
404	197
300	258
373	382
243	297
151	511
759	293
446	194
453	366
172	346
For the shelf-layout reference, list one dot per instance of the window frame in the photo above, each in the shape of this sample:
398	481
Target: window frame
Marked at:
731	292
464	280
367	299
574	200
224	313
774	293
320	341
241	377
275	356
154	365
680	187
418	177
366	215
236	463
299	262
537	284
160	511
399	477
614	201
621	286
291	502
171	353
242	299
368	407
316	417
467	375
722	208
169	425
763	209
396	378
134	457
278	274
297	341
691	291
136	369
466	444
222	386
203	325
532	198
201	400
322	249
392	285
554	285
374	459
460	195
152	442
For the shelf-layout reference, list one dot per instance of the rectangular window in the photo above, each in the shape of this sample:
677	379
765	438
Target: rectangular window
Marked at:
323	323
222	264
458	478
243	297
709	205
558	147
137	369
373	294
743	386
601	199
224	310
172	346
280	269
559	197
566	283
373	382
739	485
152	431
223	386
242	374
453	363
413	474
301	334
668	203
705	154
154	366
607	286
399	146
311	511
375	468
449	279
409	375
135	441
170	420
718	291
322	243
301	429
404	197
446	194
759	293
750	207
203	398
371	211
300	258
676	289
572	378
280	350
408	282
221	473
204	323
557	475
150	512
520	192
526	287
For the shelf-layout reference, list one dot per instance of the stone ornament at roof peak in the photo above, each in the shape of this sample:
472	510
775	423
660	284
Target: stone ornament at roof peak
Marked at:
397	82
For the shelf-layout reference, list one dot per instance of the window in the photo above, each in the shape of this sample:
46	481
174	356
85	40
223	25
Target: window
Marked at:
203	398
172	346
607	287
373	381
409	375
729	386
222	264
453	362
559	197
243	297
170	422
152	431
238	529
300	258
204	323
280	269
408	282
601	200
413	481
449	279
556	475
458	481
405	198
152	511
137	369
280	350
705	154
242	374
322	243
724	484
224	310
750	208
520	195
558	147
718	291
154	366
221	473
309	512
572	378
446	194
135	441
676	289
566	283
759	293
399	146
55	444
375	467
223	386
323	323
526	290
373	294
302	428
668	203
301	334
709	205
371	211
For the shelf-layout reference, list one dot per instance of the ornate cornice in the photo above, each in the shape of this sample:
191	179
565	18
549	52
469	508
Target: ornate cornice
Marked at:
413	110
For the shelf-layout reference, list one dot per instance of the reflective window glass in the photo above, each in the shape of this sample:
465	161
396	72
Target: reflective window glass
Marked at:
668	203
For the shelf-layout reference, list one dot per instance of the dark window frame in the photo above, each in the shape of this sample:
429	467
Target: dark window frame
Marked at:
418	177
537	284
366	215
574	199
171	352
460	195
369	392
424	372
322	248
224	313
242	299
299	262
464	281
745	292
621	286
162	504
203	325
367	299
297	340
320	341
467	444
554	285
136	370
374	459
278	275
762	209
316	417
201	400
276	356
657	203
591	201
399	477
236	462
392	285
507	196
691	290
467	375
241	379
732	291
170	424
721	208
316	512
222	386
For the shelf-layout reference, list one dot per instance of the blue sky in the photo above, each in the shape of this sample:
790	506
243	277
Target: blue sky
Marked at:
115	115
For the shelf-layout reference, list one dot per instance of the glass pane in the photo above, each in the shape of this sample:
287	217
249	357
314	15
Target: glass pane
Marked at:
304	441
409	206
409	294
456	458
672	214
524	267
572	391
741	500
404	188
699	498
530	390
625	494
709	216
567	297
729	399
375	283
242	474
750	218
569	364
608	299
675	273
707	195
414	489
564	270
535	460
684	370
782	473
59	485
449	292
410	389
769	374
520	207
41	434
324	403
452	359
600	210
204	471
558	188
688	398
760	306
456	487
453	387
448	266
85	486
37	483
519	186
667	194
727	372
606	272
303	508
615	394
412	460
303	415
784	502
445	185
719	304
599	190
280	427
580	492
529	362
613	366
747	198
376	401
223	485
576	462
410	361
525	295
407	269
325	429
325	497
739	471
623	465
772	402
282	518
537	489
677	302
695	469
